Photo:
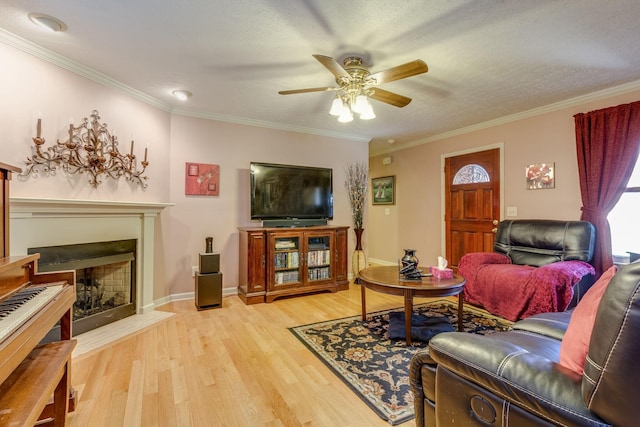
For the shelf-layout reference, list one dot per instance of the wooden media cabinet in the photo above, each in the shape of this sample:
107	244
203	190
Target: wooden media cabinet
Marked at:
278	262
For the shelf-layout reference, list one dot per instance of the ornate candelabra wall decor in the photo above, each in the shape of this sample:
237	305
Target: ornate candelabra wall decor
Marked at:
90	148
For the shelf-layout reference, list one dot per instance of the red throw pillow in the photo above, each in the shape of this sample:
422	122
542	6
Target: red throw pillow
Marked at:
575	343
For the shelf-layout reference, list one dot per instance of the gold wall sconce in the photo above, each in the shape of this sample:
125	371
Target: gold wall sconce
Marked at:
90	148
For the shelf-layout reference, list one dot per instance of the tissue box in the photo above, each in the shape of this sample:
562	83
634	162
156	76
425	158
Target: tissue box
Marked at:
444	273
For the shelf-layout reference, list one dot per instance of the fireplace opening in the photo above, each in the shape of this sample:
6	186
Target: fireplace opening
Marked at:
105	280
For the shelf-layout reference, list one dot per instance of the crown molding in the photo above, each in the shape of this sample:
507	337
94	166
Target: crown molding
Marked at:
31	48
571	102
77	68
82	70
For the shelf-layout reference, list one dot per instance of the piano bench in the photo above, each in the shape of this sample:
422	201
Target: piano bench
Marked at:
45	372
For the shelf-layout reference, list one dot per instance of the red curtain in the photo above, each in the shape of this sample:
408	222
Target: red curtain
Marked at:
607	143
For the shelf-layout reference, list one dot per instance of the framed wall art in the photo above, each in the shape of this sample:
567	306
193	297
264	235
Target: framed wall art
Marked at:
201	179
383	190
540	176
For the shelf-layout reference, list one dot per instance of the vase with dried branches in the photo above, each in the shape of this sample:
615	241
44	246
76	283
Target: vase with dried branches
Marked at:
356	184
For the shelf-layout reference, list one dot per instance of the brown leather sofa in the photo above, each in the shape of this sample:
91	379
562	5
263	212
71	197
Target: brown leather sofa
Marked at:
513	378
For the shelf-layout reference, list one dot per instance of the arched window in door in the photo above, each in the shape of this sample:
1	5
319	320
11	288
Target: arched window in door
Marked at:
471	174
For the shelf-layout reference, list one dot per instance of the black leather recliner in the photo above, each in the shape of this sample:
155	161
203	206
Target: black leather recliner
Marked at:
513	378
544	241
562	248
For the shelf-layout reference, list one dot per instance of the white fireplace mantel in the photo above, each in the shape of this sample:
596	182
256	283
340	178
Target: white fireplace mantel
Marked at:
21	206
50	222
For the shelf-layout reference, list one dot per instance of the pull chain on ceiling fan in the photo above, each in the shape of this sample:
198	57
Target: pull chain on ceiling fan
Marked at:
356	85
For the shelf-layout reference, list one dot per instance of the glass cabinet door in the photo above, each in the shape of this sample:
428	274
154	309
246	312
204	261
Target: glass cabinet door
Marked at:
319	257
287	260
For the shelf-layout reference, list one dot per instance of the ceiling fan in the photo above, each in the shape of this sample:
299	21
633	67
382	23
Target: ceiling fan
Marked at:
356	84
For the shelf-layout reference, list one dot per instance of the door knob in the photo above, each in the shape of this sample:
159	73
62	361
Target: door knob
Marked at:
494	230
496	222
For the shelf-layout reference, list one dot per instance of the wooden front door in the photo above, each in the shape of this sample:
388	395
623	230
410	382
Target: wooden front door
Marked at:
472	207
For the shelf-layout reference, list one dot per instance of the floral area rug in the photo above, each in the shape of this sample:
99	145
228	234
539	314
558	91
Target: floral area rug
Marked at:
375	367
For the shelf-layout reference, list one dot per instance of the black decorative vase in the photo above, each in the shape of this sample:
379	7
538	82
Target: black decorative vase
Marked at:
209	241
409	258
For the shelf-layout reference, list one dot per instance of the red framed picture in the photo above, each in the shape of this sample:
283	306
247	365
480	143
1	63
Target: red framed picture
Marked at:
201	179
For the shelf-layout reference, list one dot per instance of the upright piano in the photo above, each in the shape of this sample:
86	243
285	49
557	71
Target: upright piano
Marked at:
31	303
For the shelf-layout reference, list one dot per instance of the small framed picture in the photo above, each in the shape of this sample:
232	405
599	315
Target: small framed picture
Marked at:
540	176
383	190
201	179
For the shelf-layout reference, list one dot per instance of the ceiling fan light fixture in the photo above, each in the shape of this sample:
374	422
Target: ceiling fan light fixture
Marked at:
182	95
337	106
355	85
368	113
48	22
361	105
345	116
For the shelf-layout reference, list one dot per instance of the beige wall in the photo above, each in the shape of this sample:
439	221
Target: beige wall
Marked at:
416	220
32	86
233	147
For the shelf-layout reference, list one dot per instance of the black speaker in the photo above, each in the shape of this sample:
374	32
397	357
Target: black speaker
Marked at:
208	290
293	222
209	263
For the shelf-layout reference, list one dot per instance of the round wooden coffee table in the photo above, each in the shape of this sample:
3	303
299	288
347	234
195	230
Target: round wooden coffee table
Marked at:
387	280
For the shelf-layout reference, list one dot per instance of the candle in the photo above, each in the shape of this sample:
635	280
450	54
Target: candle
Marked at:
39	127
70	132
132	147
145	154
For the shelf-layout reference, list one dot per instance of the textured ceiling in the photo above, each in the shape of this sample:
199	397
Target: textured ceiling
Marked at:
487	59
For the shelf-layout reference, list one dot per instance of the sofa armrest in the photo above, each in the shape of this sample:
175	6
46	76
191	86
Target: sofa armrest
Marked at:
518	366
552	325
473	259
422	380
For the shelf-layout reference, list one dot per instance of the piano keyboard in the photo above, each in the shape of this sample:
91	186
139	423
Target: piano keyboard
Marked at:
18	308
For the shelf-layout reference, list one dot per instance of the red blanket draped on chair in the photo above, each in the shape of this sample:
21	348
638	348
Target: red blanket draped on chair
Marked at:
518	291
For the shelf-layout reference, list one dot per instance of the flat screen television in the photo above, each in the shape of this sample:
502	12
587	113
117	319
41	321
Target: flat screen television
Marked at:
291	192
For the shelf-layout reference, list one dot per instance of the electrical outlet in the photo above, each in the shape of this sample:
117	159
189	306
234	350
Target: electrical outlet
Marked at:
512	211
194	268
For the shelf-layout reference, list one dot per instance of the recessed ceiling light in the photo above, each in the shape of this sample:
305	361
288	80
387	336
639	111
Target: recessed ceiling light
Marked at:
182	95
48	22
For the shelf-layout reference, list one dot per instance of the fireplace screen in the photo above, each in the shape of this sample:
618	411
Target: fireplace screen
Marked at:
105	279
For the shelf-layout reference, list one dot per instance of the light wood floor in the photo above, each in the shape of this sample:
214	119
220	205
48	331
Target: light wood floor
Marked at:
233	366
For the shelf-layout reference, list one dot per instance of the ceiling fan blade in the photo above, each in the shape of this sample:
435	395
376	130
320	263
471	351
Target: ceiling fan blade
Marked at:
333	66
311	89
401	71
389	97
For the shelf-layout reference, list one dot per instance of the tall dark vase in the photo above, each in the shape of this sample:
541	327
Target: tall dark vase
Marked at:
359	259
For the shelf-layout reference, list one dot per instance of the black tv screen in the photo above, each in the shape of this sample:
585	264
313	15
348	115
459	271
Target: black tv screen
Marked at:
291	192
